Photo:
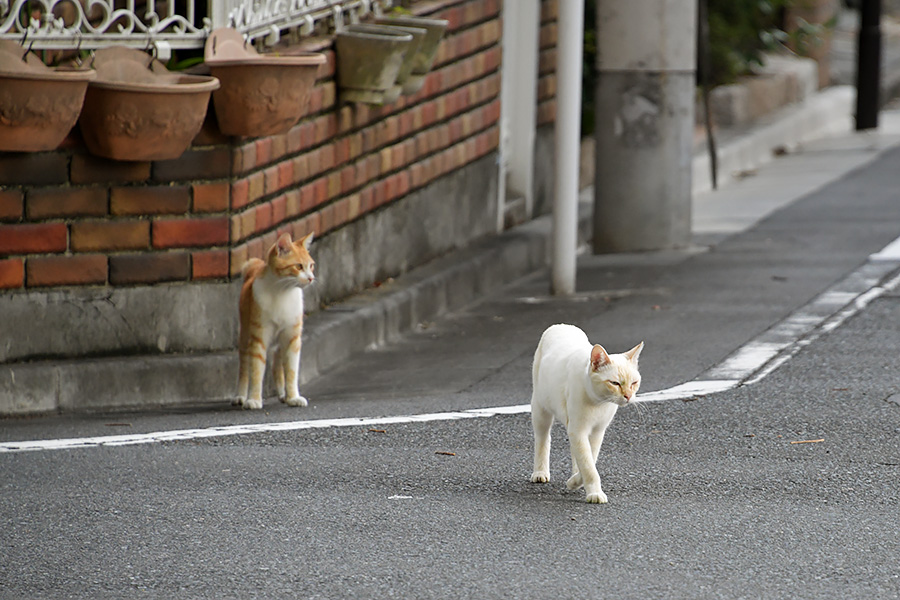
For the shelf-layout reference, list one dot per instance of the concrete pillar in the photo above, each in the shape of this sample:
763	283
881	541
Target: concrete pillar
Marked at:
644	121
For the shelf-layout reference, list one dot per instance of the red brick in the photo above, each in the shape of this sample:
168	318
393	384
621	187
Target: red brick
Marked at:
263	151
334	185
80	269
110	235
341	212
285	174
327	157
210	197
239	256
11	203
240	194
279	145
279	209
210	264
348	178
264	216
190	233
149	268
327	218
12	273
292	204
87	168
294	141
257	186
300	168
272	179
33	238
156	200
47	203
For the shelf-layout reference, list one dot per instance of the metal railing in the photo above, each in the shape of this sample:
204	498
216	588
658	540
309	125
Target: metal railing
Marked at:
166	25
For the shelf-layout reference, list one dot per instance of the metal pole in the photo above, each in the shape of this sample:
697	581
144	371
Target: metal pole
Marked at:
570	25
868	65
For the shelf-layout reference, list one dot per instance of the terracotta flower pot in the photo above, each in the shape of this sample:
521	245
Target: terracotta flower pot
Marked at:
261	94
38	105
368	63
138	110
426	53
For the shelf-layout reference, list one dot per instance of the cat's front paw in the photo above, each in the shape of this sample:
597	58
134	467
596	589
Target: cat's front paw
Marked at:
252	404
540	477
298	401
574	482
598	498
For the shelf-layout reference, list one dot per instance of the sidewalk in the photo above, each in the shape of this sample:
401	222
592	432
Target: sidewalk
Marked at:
831	206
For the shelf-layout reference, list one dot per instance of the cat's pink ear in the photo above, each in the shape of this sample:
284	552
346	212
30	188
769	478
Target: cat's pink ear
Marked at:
634	353
284	246
599	357
306	240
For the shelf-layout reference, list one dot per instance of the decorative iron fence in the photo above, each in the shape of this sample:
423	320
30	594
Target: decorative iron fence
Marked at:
168	24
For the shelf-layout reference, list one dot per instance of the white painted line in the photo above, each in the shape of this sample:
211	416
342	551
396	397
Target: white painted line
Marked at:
891	252
691	389
749	364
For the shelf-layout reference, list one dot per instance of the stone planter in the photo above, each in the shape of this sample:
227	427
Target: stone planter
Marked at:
259	94
38	105
409	57
368	63
426	53
136	110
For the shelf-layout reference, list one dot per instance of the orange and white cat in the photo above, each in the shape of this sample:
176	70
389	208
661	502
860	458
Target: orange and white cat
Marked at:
271	308
581	386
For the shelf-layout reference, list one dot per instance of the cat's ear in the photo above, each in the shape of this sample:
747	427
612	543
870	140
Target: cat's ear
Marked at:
634	353
306	240
284	245
599	357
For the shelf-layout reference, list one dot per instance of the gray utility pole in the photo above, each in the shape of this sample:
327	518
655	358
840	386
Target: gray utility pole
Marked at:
644	124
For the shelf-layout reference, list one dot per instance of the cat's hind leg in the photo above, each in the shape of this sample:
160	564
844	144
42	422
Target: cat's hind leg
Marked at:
541	422
243	378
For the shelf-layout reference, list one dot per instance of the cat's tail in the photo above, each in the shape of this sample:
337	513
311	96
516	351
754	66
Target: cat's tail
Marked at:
251	265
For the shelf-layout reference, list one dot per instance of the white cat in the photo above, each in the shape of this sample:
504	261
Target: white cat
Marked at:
581	386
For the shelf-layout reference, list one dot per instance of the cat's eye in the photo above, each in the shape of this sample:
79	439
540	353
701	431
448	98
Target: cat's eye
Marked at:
615	383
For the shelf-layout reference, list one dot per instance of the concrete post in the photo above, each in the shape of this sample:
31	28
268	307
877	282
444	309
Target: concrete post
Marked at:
570	25
518	103
644	124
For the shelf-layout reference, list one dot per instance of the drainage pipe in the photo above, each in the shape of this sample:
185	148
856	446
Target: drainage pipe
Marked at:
570	27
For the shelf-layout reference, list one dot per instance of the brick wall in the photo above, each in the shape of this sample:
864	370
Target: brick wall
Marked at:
71	219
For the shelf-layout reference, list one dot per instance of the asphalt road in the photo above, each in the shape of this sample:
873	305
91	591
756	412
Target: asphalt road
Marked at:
709	497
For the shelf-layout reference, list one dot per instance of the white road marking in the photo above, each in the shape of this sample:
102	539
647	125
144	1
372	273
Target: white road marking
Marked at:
746	366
